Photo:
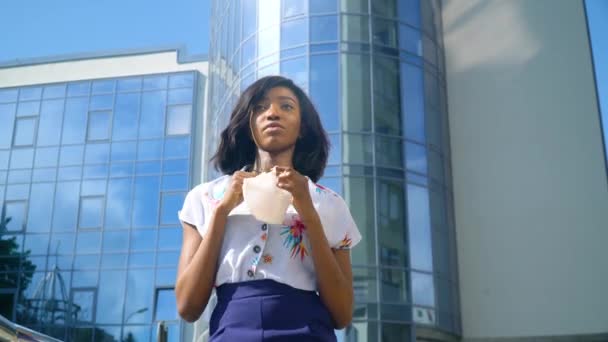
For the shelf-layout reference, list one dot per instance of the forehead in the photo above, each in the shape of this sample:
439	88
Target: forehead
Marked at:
280	93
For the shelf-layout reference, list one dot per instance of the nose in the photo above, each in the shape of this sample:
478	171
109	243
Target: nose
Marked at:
272	113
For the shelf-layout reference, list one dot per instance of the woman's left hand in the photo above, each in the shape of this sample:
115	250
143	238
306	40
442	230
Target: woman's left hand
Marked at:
291	180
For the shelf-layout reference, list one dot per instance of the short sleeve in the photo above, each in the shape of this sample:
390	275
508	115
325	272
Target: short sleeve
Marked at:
193	210
338	223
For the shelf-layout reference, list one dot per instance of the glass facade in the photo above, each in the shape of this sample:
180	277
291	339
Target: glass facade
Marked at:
92	174
597	11
375	71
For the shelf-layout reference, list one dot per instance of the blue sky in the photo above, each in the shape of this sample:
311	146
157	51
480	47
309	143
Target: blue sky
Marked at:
32	29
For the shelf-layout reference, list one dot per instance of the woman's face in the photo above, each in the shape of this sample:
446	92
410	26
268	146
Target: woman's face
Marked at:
276	120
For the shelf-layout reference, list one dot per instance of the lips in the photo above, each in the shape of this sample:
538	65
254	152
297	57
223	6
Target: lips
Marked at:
273	126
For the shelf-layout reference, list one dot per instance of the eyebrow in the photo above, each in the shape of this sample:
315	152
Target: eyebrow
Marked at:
280	97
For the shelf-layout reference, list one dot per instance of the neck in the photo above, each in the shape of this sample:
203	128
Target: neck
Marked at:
267	160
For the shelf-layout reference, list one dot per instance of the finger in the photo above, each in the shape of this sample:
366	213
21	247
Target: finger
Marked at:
281	169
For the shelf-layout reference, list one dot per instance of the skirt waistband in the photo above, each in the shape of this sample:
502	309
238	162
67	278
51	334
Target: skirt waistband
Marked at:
258	288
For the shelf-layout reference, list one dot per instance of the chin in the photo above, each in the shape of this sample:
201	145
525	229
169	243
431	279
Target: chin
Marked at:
275	146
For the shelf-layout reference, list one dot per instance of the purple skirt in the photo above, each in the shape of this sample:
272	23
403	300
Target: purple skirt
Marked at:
265	310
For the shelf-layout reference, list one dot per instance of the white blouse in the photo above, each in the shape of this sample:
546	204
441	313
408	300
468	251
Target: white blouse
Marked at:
252	249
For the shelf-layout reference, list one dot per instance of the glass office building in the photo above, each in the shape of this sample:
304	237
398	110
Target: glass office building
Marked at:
375	71
92	174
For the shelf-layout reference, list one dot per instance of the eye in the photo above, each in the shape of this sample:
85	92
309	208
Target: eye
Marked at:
286	107
260	107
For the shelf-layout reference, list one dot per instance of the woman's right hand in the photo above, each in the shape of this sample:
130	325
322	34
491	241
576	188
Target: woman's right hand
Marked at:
233	196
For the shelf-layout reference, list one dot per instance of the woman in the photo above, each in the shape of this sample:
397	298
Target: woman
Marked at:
267	276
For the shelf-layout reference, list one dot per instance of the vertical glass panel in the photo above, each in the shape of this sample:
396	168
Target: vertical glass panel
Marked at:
176	166
37	244
25	131
71	155
149	150
394	284
386	96
115	241
69	173
129	84
395	331
358	149
323	6
152	120
324	89
359	195
30	93
323	28
16	211
74	125
296	70
171	203
7	117
123	151
355	28
88	242
125	116
44	175
182	80
177	147
101	102
17	192
335	149
416	158
46	156
93	187
179	120
169	238
384	8
166	307
391	223
67	198
17	176
139	299
354	6
409	11
10	95
28	108
103	86
384	32
174	182
356	91
146	201
41	207
78	88
54	91
111	290
143	239
365	284
118	203
180	96
155	82
293	8
423	289
85	300
294	33
249	17
62	243
419	227
389	152
97	153
410	40
248	51
436	166
22	158
91	212
412	93
99	126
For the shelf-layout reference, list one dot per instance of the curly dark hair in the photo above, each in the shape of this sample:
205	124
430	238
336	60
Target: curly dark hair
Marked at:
237	148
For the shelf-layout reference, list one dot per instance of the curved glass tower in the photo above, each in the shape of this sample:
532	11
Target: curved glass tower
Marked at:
374	69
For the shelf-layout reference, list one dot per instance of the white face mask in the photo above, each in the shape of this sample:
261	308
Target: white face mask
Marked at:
265	200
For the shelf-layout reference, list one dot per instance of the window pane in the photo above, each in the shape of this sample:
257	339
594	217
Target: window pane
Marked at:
71	155
177	147
123	151
28	108
140	299
10	95
395	331
409	40
423	289
170	238
149	150
93	187
296	70
118	203
78	89
389	152
44	175
22	158
384	32
409	11
100	102
179	120
248	51
175	165
335	150
67	199
103	86
99	126
358	149
166	306
114	261
121	169
354	6
31	93
152	120
412	93
129	84
143	239
88	242
25	132
355	28
125	116
115	241
16	211
155	82
394	284
181	80
386	96
294	33
54	91
172	202
416	158
7	116
384	8
91	209
74	125
97	153
180	96
41	207
294	7
419	227
111	290
323	6
324	89
391	223
359	195
249	17
146	201
84	300
17	192
324	29
62	243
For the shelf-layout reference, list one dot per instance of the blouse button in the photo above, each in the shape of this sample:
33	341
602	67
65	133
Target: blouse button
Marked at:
264	227
250	273
256	249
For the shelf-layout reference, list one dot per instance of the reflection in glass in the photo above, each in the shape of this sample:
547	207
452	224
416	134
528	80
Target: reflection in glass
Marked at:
17	192
165	305
99	126
123	151
10	95
296	70
103	86
88	242
74	125
179	120
152	119
409	40
149	150
125	116
175	166
180	96
111	290
84	300
129	84
114	261
394	284
391	223
171	202
387	109
389	152
7	113
30	108
93	187
423	289
41	207
143	239
293	8
78	88
22	158
324	29
140	297
16	211
249	17
355	28
177	147
384	32
324	89
181	80
25	129
359	195
66	206
416	158
419	228
138	260
62	243
54	91
358	149
409	11
118	203
146	201
97	153
323	6
30	93
412	94
170	238
71	155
